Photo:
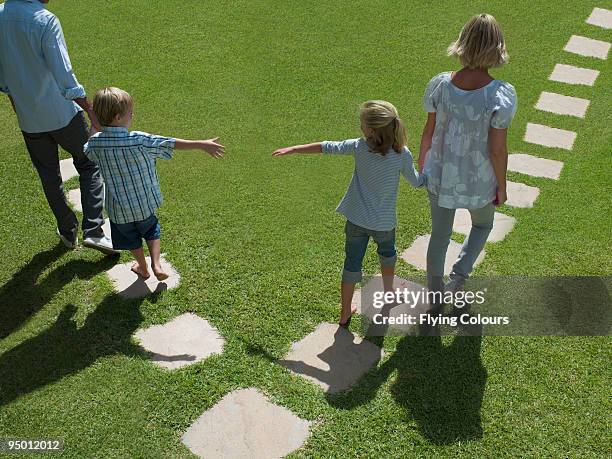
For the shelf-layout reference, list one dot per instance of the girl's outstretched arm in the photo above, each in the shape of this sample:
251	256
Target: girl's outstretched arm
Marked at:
307	148
428	132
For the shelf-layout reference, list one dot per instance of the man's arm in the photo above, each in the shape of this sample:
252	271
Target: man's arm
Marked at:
58	62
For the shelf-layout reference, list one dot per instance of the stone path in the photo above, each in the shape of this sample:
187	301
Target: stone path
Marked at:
549	137
587	47
521	195
332	357
502	225
244	424
534	166
573	75
600	17
130	285
74	198
185	340
562	105
67	169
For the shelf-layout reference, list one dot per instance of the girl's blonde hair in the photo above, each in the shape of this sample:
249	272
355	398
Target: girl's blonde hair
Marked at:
389	130
481	44
110	102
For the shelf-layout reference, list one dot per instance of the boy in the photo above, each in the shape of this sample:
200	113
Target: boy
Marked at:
127	163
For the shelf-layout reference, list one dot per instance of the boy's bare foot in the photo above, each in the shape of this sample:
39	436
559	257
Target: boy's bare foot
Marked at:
159	274
142	272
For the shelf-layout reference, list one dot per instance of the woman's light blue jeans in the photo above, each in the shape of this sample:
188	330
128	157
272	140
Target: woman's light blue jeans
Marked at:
441	230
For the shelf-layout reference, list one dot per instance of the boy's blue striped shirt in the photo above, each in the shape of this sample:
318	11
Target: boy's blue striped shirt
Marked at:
371	198
127	163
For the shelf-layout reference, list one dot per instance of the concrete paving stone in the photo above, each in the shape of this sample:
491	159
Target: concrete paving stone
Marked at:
573	75
502	225
67	169
376	283
74	198
562	105
332	357
587	47
130	285
106	227
184	340
521	195
549	137
600	17
416	254
534	166
244	424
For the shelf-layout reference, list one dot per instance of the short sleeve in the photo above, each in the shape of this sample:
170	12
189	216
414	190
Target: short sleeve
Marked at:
346	147
432	93
505	107
156	145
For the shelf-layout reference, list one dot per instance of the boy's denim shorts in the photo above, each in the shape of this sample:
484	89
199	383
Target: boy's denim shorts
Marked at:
129	236
355	247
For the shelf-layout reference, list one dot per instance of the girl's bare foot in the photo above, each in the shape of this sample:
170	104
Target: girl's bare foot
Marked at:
159	273
140	271
345	320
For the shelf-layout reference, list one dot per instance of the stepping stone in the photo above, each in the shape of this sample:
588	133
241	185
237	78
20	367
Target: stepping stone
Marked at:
521	195
562	105
332	357
574	75
245	423
74	198
536	167
375	283
502	224
185	340
131	285
416	254
587	47
106	227
67	169
601	17
549	137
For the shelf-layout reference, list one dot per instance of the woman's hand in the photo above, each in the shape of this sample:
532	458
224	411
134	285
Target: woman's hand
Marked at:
500	197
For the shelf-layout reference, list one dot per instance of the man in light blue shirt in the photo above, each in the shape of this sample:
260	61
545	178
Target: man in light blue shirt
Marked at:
36	74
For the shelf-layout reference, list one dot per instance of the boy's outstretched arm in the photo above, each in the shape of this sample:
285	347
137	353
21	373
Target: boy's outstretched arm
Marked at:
210	146
426	138
307	148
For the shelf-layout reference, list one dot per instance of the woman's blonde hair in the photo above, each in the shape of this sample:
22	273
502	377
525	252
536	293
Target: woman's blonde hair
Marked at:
389	130
481	44
110	102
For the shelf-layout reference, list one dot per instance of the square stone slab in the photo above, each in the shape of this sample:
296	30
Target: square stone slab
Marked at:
600	17
587	47
245	424
549	137
416	254
574	75
521	195
562	105
332	357
185	340
74	199
502	225
534	166
377	283
130	285
67	169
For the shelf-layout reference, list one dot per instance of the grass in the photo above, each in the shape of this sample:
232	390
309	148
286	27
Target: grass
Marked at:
259	247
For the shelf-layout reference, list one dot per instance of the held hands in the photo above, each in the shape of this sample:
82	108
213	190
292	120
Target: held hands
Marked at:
284	151
212	147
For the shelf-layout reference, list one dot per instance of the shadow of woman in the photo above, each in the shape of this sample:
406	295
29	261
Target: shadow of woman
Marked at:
440	387
21	297
64	349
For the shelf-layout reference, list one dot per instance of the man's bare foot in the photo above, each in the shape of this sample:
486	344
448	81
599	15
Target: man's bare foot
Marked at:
142	272
159	274
345	320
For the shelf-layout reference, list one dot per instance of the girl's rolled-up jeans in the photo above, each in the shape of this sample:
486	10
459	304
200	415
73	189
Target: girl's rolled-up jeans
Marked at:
441	230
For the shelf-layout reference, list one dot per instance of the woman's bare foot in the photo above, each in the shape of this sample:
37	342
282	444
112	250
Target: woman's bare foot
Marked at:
345	319
140	271
159	273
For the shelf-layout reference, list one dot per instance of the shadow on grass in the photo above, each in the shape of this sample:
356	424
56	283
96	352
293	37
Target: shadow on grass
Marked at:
63	349
440	387
21	297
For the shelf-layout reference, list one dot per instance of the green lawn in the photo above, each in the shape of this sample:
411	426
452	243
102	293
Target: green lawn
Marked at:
259	246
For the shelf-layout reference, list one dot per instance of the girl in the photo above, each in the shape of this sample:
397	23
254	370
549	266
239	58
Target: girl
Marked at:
370	201
463	150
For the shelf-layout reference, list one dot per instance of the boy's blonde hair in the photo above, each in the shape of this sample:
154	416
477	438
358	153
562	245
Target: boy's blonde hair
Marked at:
110	102
481	44
389	129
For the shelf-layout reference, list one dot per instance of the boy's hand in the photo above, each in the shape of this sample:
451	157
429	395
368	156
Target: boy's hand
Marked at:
284	151
212	147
